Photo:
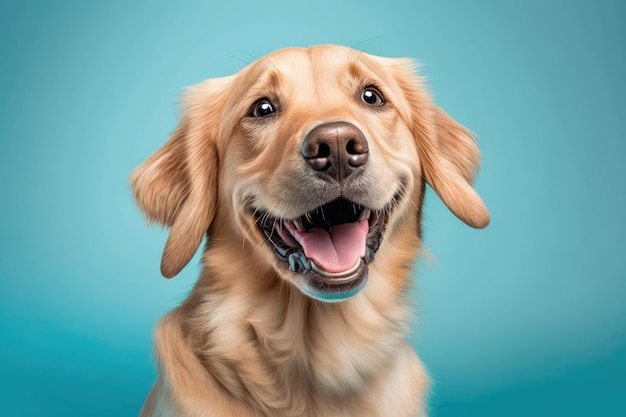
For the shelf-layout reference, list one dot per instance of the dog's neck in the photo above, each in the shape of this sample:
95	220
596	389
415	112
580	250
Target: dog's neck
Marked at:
258	337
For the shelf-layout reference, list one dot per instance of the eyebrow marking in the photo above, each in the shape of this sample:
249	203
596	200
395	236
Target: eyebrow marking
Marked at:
356	70
265	84
364	74
273	80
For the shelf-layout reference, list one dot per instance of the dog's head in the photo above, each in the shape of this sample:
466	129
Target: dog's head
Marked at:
312	156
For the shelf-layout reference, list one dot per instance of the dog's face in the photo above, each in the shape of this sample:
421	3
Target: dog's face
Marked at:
311	156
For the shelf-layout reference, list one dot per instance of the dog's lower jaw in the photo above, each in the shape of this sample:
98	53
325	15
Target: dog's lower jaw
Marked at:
330	288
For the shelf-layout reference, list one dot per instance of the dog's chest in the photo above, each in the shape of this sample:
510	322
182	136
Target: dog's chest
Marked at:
300	359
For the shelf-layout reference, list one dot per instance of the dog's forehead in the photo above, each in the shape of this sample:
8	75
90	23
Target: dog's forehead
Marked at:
325	56
325	64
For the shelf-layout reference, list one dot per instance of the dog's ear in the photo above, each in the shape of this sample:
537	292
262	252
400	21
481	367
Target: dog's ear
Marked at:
177	185
448	152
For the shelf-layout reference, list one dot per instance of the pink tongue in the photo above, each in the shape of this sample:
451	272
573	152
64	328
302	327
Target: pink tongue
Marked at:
338	250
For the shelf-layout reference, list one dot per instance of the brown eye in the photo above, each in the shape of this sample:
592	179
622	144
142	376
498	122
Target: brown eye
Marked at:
261	108
372	97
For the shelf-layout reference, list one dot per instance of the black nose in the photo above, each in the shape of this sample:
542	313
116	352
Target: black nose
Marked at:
335	150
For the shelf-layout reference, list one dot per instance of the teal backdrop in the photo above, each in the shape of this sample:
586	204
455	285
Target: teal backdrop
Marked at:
525	318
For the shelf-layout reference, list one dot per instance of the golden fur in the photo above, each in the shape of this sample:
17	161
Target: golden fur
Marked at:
247	341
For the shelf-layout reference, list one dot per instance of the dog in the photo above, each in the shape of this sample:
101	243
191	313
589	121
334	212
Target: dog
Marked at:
306	172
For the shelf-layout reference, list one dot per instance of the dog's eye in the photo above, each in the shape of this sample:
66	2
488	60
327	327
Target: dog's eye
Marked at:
372	97
261	108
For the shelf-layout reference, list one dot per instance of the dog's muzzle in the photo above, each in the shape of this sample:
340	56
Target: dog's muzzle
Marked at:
331	246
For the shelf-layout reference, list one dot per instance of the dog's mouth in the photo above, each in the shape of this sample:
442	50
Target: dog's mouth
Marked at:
330	246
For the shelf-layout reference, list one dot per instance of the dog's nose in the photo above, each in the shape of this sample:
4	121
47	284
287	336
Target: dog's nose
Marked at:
335	149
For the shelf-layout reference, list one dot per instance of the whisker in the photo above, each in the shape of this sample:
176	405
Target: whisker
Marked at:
363	45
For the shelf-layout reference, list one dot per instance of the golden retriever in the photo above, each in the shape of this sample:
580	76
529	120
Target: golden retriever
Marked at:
306	173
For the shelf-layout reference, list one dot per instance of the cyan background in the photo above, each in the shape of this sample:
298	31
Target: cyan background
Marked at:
525	318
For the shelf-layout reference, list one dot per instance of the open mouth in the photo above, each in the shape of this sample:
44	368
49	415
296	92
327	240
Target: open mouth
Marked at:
330	246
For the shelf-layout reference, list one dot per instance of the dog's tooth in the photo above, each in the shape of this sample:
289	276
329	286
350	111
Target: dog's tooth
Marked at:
298	224
365	214
281	250
299	263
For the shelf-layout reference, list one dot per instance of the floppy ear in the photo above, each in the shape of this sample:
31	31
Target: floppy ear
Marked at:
177	185
448	151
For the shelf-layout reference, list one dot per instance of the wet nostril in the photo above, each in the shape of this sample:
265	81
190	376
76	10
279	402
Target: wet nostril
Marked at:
319	164
356	160
323	151
317	153
356	147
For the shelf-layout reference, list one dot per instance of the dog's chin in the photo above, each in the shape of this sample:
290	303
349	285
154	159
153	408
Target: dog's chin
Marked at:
326	252
322	286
